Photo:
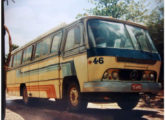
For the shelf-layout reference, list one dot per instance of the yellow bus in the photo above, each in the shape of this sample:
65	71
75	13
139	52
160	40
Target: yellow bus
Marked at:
97	59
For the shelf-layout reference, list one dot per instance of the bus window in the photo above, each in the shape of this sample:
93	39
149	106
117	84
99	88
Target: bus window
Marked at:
141	37
17	59
37	52
56	41
74	37
14	61
27	54
108	35
43	47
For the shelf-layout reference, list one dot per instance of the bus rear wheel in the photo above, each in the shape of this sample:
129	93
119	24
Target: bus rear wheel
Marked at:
128	101
75	99
25	95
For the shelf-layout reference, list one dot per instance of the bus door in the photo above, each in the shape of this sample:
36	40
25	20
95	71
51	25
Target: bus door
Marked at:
25	70
49	74
34	73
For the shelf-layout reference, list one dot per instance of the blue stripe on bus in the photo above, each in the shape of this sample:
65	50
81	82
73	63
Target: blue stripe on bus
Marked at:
125	53
68	69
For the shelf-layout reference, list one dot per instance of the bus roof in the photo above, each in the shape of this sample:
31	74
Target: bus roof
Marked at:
63	25
114	20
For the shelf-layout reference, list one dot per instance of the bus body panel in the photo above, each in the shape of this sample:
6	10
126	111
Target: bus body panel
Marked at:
25	74
75	66
11	86
11	77
49	78
34	80
81	69
96	71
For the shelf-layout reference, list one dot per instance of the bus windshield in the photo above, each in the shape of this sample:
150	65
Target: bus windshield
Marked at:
107	34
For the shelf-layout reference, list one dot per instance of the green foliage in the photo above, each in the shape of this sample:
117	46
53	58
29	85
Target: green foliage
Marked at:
81	15
122	9
136	11
14	46
155	23
114	8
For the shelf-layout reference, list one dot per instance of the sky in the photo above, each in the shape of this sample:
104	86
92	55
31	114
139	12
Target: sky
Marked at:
27	19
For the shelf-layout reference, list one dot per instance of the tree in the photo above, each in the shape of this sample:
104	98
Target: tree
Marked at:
121	9
114	8
136	11
155	24
14	46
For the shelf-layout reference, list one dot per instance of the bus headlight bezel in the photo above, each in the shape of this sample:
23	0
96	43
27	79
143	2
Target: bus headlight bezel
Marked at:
111	74
152	76
115	75
144	76
149	75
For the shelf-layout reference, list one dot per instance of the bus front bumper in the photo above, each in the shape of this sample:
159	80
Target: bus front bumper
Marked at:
121	86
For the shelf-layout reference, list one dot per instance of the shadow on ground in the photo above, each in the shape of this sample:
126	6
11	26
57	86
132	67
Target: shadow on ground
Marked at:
156	102
49	110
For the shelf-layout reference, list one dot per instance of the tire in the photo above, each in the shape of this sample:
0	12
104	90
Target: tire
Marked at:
75	100
128	101
25	96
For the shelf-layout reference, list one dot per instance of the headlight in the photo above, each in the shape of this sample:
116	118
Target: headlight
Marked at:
152	76
111	74
148	75
144	77
106	75
115	75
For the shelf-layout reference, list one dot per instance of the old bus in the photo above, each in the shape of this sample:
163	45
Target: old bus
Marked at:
95	58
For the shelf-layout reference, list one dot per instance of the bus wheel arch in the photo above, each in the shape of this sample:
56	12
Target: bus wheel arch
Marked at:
24	93
65	85
72	95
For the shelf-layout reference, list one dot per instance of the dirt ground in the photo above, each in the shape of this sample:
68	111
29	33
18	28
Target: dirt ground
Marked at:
49	110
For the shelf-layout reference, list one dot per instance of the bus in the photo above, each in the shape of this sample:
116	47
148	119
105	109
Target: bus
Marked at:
94	59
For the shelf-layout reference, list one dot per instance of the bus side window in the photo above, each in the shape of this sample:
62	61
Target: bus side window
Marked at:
43	47
74	37
14	60
56	40
27	54
17	58
37	51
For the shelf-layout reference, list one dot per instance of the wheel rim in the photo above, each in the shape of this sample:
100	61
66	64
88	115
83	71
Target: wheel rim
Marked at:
74	96
25	96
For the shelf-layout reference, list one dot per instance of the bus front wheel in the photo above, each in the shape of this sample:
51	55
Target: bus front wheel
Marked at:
128	101
76	102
